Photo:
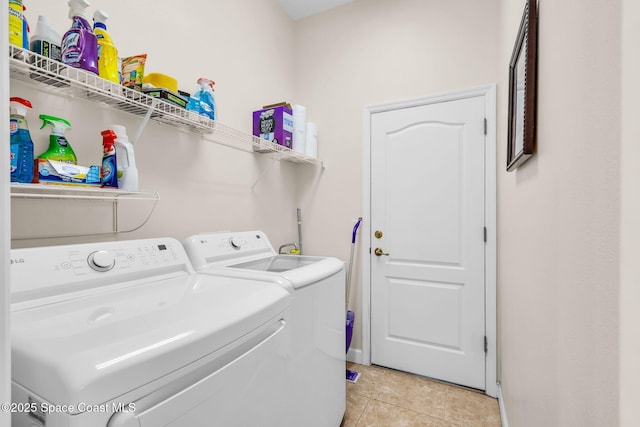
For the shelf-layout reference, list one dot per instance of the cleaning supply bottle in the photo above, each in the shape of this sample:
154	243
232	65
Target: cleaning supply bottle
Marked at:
107	52
25	29
79	44
109	174
125	160
59	148
46	41
203	100
16	23
21	145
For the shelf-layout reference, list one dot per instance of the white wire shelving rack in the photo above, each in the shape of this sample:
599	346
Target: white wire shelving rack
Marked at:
54	191
55	77
114	196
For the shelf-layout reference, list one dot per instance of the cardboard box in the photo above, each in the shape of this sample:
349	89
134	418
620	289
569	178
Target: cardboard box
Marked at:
53	172
274	124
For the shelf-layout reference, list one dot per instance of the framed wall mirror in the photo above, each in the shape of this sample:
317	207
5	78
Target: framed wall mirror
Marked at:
522	90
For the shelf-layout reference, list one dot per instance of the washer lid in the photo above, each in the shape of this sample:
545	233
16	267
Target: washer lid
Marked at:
278	263
299	270
94	348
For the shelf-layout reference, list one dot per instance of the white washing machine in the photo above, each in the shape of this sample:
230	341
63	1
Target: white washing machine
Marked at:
124	334
316	284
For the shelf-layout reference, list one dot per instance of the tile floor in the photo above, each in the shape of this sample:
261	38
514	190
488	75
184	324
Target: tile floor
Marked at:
386	398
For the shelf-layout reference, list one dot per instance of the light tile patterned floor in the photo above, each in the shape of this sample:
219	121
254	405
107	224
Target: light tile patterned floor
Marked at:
387	398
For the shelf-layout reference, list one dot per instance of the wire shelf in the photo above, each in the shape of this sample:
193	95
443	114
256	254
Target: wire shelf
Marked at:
232	137
54	224
56	77
56	191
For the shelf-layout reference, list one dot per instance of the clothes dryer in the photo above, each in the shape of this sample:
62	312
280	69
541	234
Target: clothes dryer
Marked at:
125	333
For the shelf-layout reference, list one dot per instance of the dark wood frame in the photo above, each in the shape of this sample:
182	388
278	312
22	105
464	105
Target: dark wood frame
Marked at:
522	90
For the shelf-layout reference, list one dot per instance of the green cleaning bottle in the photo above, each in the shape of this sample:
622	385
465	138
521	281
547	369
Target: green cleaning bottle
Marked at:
59	148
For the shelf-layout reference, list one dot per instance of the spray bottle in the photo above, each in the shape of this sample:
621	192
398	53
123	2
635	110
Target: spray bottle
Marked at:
16	23
203	100
107	52
109	174
59	148
79	44
25	29
125	159
46	41
21	154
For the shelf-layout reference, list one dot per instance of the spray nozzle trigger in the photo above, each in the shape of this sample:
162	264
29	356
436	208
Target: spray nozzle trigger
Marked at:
59	125
79	3
206	83
77	7
100	16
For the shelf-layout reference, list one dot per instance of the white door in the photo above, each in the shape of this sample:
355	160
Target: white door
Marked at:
427	225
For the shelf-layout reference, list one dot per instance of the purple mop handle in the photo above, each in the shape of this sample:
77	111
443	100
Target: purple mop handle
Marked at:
355	231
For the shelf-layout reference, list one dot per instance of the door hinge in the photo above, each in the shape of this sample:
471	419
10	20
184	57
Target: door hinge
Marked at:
369	251
485	126
486	345
485	234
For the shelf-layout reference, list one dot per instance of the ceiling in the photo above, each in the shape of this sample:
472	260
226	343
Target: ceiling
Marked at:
298	9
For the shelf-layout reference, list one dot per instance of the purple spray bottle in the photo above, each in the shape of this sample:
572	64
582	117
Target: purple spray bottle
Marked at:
79	44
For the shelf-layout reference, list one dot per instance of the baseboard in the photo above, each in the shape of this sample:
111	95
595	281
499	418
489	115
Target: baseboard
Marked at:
503	410
354	355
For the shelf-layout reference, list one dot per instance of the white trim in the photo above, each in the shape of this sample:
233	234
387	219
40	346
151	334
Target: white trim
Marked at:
355	355
365	237
5	224
489	93
491	256
503	409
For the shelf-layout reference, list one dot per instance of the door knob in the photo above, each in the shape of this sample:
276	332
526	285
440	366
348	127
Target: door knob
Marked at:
378	252
378	234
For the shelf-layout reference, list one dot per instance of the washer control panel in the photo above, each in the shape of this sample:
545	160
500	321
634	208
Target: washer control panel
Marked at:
64	267
233	242
138	257
208	248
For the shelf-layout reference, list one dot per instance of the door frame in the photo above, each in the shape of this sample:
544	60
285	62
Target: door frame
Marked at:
5	226
489	94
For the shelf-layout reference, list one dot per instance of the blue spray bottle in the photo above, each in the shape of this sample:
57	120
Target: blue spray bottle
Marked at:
203	101
25	30
21	145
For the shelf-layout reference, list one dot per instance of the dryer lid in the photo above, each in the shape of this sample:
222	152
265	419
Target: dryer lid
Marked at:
94	348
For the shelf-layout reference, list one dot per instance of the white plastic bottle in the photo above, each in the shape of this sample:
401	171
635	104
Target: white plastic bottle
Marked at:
125	160
46	41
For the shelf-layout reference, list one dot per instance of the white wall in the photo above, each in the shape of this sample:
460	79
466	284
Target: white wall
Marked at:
371	52
629	371
244	47
559	225
559	215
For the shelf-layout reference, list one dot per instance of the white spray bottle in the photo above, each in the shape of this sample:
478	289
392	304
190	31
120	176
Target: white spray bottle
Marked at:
125	160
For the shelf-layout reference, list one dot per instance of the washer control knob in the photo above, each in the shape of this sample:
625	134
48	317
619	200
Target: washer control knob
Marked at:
101	261
235	243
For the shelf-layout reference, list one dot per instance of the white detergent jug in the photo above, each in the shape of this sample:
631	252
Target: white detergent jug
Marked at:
46	41
125	160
